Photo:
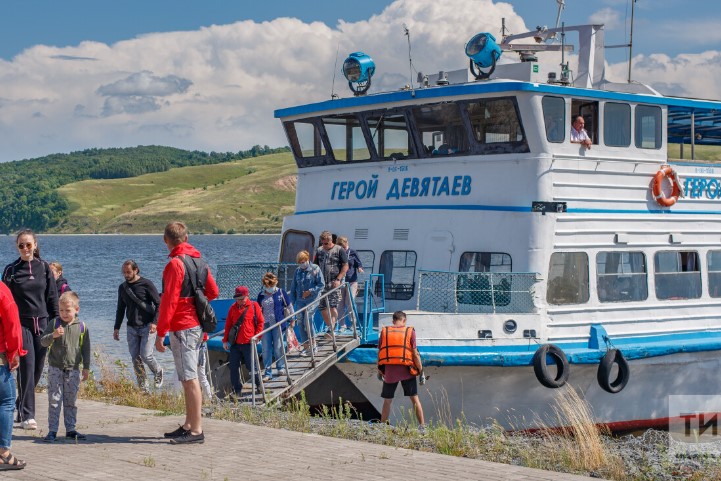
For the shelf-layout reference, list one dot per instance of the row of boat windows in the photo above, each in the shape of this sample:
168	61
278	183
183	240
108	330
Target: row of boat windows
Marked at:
399	269
617	121
623	276
482	126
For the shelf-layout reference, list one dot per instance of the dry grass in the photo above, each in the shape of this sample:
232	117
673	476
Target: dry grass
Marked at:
117	385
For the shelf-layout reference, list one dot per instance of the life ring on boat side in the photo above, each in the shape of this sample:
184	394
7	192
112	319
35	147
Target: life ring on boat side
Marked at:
666	172
613	356
540	366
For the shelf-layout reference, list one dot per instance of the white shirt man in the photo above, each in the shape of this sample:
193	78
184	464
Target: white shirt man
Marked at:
579	134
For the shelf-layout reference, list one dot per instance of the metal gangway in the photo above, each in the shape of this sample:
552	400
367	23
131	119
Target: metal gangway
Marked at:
322	351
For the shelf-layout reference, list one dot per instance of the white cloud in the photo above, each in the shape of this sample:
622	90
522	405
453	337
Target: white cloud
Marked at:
216	88
606	16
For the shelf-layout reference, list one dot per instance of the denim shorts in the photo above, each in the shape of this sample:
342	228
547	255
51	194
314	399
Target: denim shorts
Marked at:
185	345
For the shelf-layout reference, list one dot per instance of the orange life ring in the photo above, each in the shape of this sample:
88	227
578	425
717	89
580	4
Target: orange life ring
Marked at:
666	172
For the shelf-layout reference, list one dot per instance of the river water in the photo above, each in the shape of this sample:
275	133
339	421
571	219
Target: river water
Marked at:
91	264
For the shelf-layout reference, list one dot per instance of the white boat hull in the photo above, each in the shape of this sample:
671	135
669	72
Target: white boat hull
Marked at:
513	397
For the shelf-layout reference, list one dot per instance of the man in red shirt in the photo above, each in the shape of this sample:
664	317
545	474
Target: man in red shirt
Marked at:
177	316
248	316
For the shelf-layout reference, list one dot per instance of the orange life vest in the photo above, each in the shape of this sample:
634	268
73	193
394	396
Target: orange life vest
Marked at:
394	347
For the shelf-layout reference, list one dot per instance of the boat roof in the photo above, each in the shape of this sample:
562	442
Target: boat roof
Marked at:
707	113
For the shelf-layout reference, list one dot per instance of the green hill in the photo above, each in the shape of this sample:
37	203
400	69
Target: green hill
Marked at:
244	196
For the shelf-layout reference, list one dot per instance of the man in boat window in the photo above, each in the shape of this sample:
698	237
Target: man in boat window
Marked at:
399	361
333	262
578	132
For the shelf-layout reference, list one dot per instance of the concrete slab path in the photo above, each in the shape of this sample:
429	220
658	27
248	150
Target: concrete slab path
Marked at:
126	443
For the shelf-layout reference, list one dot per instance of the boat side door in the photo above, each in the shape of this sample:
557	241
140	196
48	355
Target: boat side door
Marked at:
437	250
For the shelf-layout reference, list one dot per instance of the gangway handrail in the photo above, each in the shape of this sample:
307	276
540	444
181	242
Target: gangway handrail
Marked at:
278	325
368	309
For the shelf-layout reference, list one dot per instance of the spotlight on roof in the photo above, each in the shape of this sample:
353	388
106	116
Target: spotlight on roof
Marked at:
358	69
483	52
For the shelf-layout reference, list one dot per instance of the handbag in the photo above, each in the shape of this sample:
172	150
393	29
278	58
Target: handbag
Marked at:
235	328
288	311
292	341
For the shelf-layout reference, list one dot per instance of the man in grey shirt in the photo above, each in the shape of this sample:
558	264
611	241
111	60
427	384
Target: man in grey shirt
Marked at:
333	262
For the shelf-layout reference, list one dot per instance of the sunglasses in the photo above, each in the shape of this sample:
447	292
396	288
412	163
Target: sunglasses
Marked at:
29	245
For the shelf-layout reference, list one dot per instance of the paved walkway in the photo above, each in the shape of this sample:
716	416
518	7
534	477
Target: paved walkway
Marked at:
126	443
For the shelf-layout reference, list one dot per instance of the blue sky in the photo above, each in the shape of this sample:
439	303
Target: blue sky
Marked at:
207	75
25	23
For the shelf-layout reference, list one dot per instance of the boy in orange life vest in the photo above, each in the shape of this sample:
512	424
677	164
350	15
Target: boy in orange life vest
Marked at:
399	361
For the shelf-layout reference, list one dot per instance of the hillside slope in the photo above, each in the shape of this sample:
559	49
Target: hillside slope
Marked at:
245	196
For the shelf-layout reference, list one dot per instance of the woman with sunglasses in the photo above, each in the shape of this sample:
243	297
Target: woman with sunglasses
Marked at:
32	284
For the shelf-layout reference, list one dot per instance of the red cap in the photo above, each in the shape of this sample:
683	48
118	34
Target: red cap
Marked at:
241	291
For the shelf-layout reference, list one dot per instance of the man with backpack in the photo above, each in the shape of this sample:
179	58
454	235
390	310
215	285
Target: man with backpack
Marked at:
244	320
178	317
138	300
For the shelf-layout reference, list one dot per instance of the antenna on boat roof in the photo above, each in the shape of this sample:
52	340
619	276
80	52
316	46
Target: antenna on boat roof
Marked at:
630	42
561	6
334	95
407	33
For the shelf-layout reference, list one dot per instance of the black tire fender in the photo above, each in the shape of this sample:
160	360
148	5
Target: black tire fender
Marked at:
540	366
613	356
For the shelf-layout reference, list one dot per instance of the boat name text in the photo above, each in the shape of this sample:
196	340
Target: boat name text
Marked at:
405	187
698	187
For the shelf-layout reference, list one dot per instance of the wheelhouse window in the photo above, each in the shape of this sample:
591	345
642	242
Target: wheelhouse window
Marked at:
677	275
621	276
305	139
399	271
617	124
442	130
568	278
496	126
588	109
648	127
554	118
391	136
485	262
346	138
714	273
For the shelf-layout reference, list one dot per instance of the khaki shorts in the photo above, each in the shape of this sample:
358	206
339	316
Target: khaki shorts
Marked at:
185	345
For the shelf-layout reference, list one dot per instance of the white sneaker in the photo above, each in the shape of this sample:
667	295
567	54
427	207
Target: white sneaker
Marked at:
29	424
159	379
282	372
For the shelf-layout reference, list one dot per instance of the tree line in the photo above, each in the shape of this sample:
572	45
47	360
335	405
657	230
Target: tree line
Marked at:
28	191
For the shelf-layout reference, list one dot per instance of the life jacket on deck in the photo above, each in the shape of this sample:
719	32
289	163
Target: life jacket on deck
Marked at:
394	347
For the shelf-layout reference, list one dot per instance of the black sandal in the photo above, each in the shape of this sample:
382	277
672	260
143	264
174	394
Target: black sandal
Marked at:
10	462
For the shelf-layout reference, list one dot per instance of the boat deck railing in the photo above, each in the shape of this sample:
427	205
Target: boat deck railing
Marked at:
476	292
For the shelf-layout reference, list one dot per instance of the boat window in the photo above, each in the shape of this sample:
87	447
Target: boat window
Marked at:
677	275
305	139
554	118
621	276
648	127
617	124
293	242
390	135
485	262
568	278
442	129
496	126
368	259
587	109
399	271
346	138
714	273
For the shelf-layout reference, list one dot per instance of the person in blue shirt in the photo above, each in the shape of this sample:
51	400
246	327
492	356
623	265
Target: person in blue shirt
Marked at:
306	287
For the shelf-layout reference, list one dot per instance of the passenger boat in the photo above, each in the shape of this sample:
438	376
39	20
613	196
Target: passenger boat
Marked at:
524	261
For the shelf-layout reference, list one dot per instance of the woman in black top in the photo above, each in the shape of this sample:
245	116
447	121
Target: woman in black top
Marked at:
32	284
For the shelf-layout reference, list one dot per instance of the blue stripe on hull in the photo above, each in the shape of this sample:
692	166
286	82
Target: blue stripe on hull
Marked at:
577	353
